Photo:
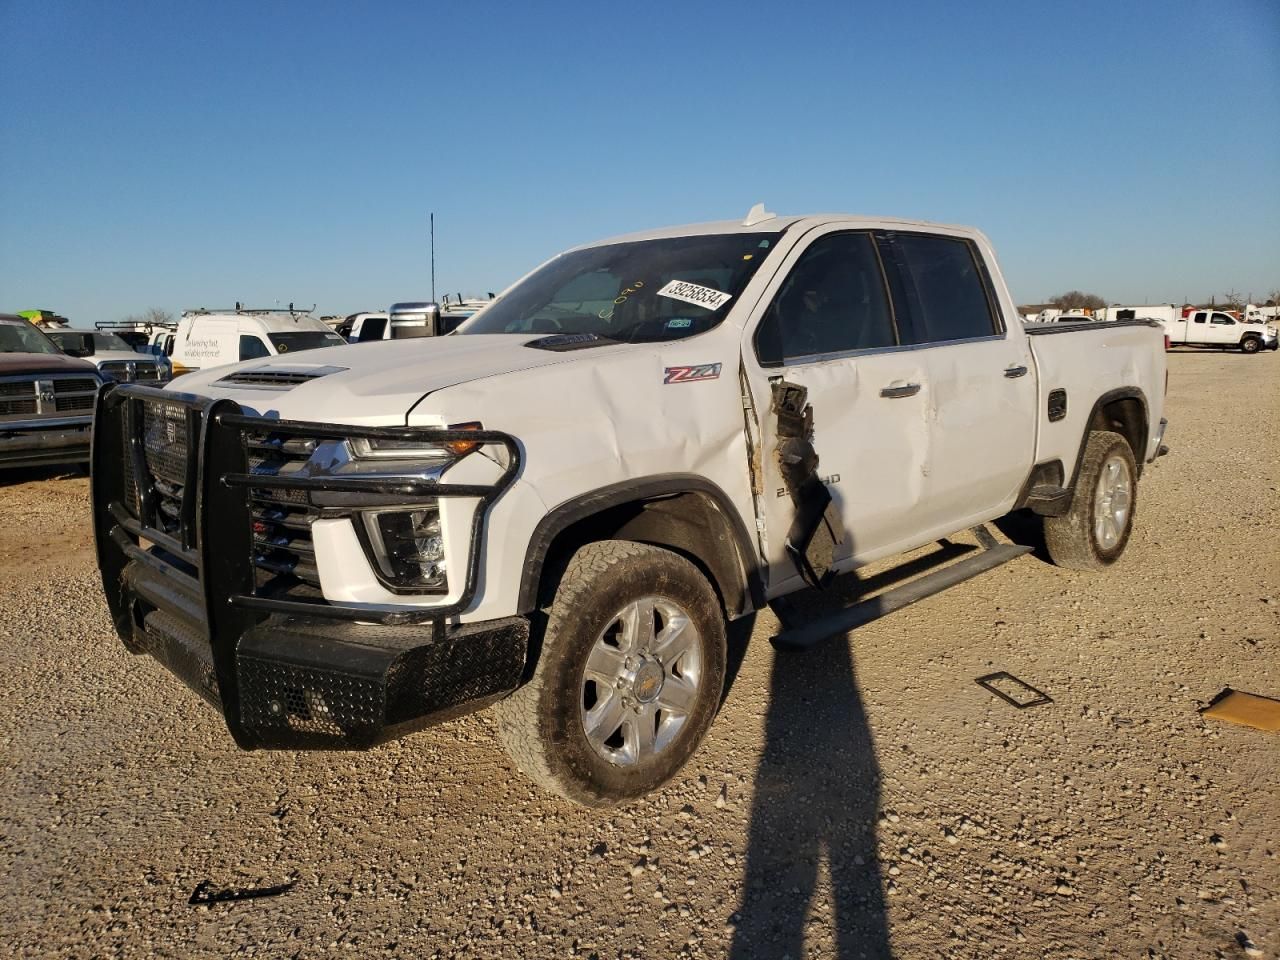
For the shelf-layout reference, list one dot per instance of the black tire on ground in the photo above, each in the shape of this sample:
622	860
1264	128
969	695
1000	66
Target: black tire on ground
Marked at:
541	724
1072	539
1250	344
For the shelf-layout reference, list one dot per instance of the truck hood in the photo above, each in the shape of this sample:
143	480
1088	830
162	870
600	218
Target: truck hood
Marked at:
375	383
104	356
15	364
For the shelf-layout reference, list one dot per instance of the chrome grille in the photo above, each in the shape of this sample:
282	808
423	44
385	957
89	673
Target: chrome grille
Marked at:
46	395
75	385
18	406
71	404
132	371
282	547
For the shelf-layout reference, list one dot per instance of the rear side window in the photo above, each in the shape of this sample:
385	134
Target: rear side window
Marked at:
833	301
1200	317
373	328
251	348
947	287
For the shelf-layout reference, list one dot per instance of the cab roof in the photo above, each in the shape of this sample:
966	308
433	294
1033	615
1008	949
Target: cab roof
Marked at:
774	223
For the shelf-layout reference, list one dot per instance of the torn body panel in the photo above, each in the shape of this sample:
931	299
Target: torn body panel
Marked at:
816	531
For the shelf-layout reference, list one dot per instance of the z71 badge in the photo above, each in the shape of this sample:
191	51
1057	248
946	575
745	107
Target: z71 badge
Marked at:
703	371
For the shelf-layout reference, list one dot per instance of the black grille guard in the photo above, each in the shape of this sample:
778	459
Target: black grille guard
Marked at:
211	556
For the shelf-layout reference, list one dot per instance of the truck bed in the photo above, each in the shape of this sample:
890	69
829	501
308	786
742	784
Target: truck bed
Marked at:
1088	366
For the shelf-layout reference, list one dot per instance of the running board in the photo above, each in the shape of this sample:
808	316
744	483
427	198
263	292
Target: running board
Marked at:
807	635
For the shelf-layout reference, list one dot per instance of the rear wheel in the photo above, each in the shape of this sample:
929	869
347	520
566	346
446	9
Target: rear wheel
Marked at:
628	679
1250	344
1093	533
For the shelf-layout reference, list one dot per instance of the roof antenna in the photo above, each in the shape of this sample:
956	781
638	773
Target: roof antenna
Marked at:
757	214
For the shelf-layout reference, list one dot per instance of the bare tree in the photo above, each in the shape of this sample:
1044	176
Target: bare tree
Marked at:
1273	298
152	315
1234	300
1078	300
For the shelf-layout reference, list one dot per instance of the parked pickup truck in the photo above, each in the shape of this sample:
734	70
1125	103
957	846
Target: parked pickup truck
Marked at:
560	507
1191	327
46	398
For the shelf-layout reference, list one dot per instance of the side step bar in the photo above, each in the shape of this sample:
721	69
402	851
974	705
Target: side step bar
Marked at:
807	635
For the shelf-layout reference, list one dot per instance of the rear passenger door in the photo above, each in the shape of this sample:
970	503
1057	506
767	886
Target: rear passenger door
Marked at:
982	388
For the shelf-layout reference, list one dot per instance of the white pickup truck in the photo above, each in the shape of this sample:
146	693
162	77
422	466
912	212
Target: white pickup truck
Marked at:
560	507
1185	326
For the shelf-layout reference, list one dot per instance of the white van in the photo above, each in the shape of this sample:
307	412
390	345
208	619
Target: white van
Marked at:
214	338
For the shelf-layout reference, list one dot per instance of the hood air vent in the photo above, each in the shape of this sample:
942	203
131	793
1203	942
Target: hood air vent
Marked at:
569	341
278	378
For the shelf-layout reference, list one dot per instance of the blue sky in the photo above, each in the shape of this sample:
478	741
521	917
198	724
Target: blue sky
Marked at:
182	154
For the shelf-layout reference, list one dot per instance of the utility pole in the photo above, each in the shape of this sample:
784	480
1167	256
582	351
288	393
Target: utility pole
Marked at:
433	258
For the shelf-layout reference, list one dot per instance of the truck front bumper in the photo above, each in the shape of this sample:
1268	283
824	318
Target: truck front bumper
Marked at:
174	523
30	443
317	683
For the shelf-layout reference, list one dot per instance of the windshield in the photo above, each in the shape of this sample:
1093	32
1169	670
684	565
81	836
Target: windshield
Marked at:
74	340
647	290
109	341
304	340
24	338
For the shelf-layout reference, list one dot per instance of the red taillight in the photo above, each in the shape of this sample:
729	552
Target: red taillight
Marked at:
1167	342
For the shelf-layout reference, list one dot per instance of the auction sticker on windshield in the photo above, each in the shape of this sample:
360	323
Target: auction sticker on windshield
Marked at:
697	295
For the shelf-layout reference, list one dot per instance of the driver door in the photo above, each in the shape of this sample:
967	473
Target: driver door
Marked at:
828	339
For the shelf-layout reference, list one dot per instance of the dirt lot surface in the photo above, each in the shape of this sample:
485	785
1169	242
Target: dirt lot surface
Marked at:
863	799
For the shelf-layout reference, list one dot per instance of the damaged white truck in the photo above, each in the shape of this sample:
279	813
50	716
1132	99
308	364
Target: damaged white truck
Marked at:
559	508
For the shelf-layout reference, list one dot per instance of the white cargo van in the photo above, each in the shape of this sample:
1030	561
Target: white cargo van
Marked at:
215	338
1194	327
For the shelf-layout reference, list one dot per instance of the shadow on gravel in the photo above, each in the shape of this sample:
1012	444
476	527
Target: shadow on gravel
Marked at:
1025	529
817	796
17	475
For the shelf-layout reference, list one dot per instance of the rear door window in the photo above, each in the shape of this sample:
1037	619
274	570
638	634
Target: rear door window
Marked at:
251	348
373	328
947	289
833	301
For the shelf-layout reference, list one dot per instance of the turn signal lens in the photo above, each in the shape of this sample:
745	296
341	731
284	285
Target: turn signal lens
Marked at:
460	448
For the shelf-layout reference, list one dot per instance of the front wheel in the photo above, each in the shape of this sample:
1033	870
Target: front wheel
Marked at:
628	679
1250	344
1093	533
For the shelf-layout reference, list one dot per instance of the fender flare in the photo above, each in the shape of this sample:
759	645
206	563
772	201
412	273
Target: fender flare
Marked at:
657	487
1121	393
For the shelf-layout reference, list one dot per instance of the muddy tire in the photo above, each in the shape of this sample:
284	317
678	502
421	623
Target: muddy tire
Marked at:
628	679
1094	532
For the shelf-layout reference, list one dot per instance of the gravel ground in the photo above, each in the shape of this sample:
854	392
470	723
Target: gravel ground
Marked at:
862	799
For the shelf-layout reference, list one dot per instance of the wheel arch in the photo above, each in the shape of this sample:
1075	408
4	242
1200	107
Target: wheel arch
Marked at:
684	513
1123	411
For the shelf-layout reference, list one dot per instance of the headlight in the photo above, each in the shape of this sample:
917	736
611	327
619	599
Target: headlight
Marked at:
365	449
408	548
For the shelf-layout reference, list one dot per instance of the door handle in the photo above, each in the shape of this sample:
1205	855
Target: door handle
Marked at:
1014	372
895	390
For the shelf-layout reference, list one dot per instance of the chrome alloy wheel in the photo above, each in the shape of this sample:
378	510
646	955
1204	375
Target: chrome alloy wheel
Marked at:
641	681
1111	502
